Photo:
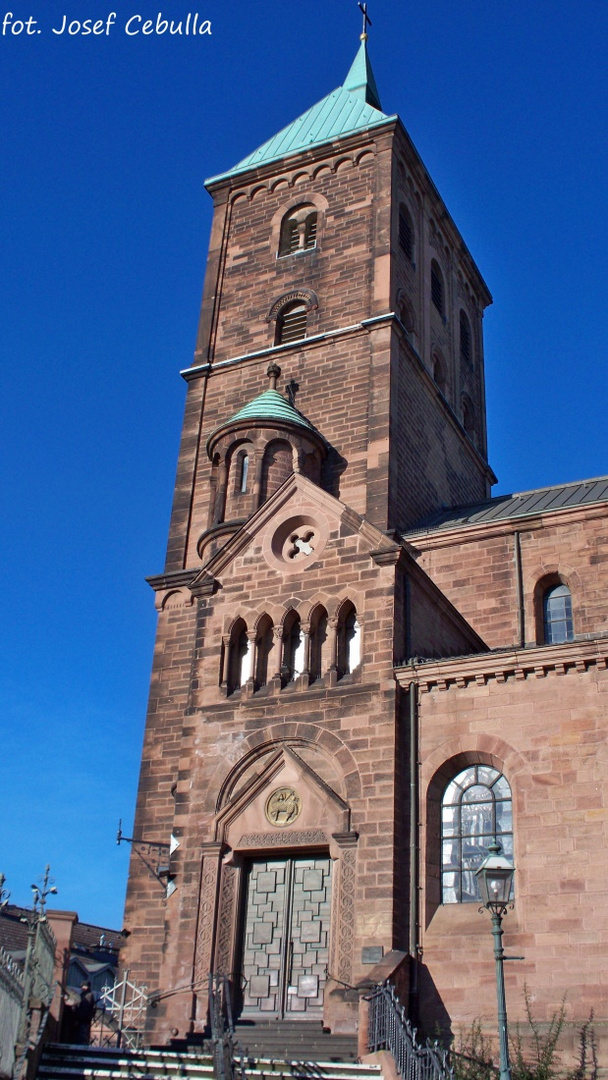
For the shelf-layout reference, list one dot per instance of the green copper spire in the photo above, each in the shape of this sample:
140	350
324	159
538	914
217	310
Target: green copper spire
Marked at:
355	106
360	79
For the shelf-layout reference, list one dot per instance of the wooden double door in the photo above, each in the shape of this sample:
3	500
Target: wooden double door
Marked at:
285	945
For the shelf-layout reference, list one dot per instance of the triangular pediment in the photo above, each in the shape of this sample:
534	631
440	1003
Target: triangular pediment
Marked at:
300	509
286	798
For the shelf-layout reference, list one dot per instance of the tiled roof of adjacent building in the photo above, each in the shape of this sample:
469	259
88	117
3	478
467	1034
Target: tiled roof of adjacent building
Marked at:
521	504
354	106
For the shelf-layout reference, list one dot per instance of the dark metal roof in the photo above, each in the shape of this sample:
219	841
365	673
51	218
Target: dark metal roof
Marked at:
521	504
85	936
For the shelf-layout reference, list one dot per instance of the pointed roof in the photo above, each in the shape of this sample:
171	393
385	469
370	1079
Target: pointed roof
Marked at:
360	79
354	106
271	405
266	409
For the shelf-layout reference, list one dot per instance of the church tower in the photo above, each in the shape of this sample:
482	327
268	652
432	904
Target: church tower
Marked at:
335	401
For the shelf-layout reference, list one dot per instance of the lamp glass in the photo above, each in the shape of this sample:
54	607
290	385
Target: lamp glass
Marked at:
495	877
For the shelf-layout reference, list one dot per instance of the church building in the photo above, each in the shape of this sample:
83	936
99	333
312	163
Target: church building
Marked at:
366	668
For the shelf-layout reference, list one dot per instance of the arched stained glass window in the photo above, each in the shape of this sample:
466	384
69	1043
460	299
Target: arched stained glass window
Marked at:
557	615
476	807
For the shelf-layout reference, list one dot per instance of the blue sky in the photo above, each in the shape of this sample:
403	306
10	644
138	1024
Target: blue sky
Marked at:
103	230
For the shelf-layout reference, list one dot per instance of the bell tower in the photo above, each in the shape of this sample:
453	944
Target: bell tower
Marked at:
336	398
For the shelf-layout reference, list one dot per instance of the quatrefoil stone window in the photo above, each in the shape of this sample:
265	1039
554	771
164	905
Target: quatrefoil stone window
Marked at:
302	544
296	541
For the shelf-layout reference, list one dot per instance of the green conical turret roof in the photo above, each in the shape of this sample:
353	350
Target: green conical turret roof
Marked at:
266	410
354	106
271	405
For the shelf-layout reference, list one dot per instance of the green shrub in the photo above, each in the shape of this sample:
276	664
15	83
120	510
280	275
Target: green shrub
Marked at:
535	1057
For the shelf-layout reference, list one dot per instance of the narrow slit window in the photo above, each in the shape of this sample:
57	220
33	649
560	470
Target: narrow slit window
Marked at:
243	473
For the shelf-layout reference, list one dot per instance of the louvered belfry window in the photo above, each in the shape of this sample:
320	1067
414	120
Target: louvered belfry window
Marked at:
465	337
298	231
310	232
406	233
291	323
290	238
437	287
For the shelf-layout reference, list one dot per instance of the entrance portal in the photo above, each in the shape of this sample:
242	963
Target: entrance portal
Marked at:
286	936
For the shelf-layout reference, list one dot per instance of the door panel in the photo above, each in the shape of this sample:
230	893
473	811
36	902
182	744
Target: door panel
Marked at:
286	936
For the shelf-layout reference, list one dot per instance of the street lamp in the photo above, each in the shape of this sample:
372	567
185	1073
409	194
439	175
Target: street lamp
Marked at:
495	877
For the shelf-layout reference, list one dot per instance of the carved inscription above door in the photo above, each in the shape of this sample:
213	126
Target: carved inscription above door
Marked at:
286	936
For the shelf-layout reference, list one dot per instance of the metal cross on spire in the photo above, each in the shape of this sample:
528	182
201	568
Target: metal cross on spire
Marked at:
366	21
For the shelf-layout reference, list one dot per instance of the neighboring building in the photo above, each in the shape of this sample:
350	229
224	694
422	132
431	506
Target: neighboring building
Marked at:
92	951
358	647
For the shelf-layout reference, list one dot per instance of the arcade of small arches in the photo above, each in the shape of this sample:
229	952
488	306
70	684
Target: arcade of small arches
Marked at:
295	651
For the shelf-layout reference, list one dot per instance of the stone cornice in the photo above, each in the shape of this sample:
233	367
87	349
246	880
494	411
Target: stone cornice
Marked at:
518	664
172	580
275	351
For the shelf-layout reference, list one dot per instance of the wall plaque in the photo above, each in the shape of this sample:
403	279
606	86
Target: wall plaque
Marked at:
371	954
283	806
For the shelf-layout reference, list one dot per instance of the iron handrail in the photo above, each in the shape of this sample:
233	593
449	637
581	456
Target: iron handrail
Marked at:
389	1029
228	1057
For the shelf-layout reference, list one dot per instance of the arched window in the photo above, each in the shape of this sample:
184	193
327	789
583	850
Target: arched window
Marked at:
476	808
298	231
277	465
406	232
349	641
439	372
318	638
468	418
557	615
437	290
466	341
405	311
264	643
291	323
293	649
239	657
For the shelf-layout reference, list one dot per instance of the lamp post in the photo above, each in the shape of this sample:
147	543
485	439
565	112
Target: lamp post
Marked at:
495	877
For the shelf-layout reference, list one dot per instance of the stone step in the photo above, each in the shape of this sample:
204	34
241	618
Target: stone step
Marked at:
295	1041
290	1052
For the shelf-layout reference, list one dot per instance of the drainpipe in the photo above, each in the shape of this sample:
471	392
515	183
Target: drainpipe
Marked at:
521	616
414	944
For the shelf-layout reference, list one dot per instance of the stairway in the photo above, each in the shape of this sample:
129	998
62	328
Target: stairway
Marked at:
271	1052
